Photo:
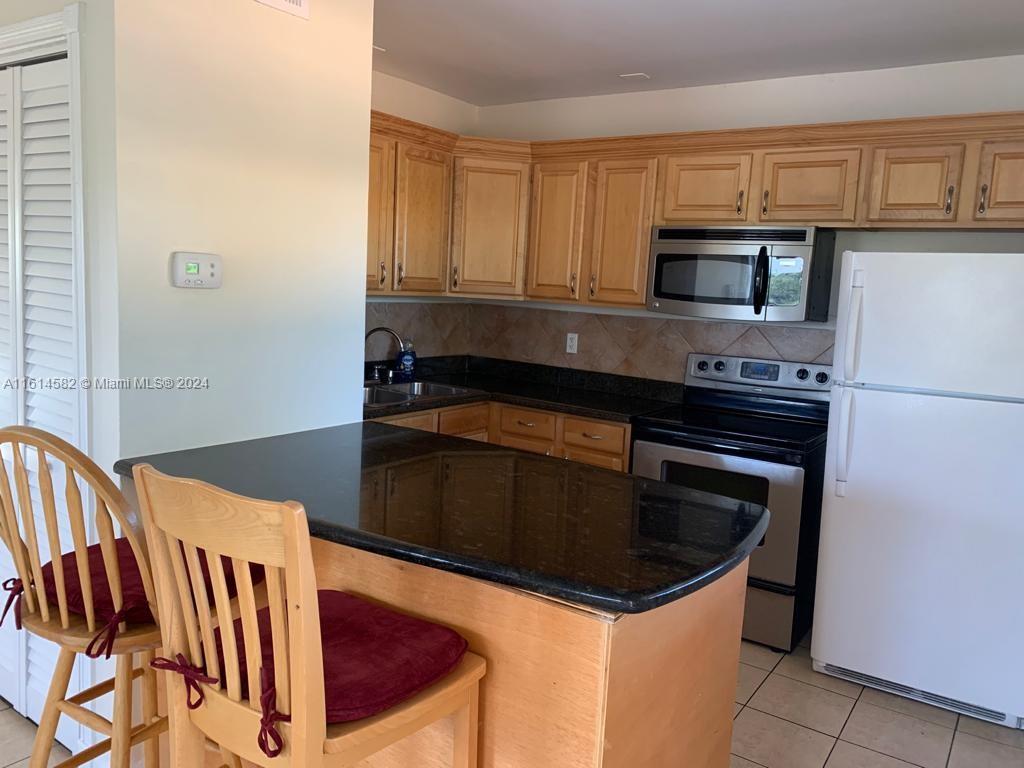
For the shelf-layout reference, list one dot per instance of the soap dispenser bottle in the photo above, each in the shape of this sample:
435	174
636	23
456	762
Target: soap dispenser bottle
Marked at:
405	363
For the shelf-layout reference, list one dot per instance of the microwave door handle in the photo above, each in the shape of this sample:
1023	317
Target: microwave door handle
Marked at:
761	280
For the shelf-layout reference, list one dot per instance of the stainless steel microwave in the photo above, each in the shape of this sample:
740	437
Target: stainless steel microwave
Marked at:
742	273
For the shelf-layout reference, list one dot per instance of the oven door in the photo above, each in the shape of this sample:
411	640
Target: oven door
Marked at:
726	282
779	487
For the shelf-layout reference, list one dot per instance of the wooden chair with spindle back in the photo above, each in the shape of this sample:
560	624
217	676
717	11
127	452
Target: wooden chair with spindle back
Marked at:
251	676
95	599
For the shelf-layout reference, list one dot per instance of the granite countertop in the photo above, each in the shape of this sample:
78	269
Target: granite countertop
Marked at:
566	530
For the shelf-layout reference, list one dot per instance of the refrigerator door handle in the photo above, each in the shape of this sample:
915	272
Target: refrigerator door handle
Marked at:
853	330
845	446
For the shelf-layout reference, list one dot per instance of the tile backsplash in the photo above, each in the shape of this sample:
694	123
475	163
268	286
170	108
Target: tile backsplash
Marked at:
652	348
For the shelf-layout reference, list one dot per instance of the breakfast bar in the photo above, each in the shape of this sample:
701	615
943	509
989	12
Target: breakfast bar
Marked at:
608	607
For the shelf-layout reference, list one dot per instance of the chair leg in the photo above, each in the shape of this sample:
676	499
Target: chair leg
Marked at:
467	725
51	715
120	738
231	760
151	754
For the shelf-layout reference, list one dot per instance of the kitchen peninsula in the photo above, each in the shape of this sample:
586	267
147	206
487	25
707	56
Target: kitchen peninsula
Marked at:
608	607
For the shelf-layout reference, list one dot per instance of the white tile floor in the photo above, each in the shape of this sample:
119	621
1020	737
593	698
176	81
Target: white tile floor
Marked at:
789	716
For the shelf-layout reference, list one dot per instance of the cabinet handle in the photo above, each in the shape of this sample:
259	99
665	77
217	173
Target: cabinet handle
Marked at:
455	276
527	424
949	199
383	273
739	203
572	284
764	204
401	273
983	204
593	285
593	437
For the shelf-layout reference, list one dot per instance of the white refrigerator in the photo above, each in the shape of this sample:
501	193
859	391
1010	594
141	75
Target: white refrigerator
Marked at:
921	564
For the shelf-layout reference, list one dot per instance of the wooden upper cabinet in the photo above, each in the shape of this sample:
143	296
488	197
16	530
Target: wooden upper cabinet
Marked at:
621	243
915	183
381	225
557	214
1000	195
489	214
706	187
810	185
422	218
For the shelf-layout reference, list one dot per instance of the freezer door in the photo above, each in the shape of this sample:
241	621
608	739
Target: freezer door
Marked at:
948	322
920	566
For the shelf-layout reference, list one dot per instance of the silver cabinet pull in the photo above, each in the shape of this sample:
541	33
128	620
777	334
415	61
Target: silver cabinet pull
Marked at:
401	273
527	424
572	284
593	286
383	273
455	276
739	203
764	204
949	199
983	204
593	437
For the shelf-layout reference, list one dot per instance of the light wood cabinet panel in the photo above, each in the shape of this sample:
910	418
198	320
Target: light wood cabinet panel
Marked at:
598	436
467	419
915	183
528	423
543	447
424	420
810	185
1000	195
706	188
623	212
381	224
489	213
594	459
557	214
422	218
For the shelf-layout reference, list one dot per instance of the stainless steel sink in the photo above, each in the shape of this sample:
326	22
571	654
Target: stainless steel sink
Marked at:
423	389
381	396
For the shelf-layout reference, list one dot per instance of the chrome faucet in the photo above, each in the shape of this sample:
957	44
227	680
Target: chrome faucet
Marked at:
380	371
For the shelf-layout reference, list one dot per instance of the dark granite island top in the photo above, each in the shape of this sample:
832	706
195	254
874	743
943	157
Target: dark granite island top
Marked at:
565	530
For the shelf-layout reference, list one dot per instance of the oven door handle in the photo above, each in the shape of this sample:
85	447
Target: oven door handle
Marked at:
761	280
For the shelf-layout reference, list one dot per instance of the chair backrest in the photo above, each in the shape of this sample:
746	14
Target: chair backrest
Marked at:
185	519
26	451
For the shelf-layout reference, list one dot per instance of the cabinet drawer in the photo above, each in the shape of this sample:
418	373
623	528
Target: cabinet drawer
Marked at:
595	459
535	424
595	435
457	421
543	447
425	421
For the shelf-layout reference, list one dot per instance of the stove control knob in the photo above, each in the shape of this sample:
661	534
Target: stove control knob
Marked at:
802	374
719	365
821	378
702	365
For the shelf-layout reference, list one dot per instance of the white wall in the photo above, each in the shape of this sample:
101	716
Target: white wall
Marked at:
984	85
415	102
242	131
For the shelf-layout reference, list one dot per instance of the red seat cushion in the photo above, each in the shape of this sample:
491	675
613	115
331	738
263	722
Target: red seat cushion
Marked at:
374	657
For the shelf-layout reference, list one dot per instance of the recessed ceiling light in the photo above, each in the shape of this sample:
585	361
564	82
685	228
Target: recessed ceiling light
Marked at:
380	48
635	76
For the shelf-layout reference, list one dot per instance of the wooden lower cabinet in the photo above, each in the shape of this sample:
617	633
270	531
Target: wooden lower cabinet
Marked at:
424	420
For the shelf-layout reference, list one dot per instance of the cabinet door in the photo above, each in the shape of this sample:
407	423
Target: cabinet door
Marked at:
426	422
489	212
413	507
381	225
915	183
594	459
1001	182
531	445
810	185
706	188
422	218
557	215
623	212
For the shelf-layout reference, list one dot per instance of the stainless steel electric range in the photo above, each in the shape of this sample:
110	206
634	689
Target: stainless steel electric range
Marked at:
754	430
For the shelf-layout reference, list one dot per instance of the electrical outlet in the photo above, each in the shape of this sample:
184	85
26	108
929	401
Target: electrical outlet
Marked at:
572	343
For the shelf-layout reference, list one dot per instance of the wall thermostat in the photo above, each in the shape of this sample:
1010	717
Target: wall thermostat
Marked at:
195	270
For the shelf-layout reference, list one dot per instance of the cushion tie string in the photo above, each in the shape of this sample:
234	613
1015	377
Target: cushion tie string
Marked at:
103	643
193	677
15	590
270	739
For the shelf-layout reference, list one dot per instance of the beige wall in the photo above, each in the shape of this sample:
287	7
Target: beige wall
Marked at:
414	102
242	131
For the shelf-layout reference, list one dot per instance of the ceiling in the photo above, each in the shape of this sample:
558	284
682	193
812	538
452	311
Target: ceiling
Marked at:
504	51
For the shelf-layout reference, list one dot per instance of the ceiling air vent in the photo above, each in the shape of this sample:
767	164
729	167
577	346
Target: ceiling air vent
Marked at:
298	8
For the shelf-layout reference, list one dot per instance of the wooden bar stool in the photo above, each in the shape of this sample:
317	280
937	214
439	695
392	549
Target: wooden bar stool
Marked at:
297	677
98	600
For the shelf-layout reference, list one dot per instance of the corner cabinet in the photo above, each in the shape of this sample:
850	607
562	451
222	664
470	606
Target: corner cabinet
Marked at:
705	188
557	214
621	234
381	219
810	185
1000	194
915	183
490	209
422	218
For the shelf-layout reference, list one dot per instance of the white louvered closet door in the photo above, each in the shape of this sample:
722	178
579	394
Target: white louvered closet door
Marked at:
40	320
